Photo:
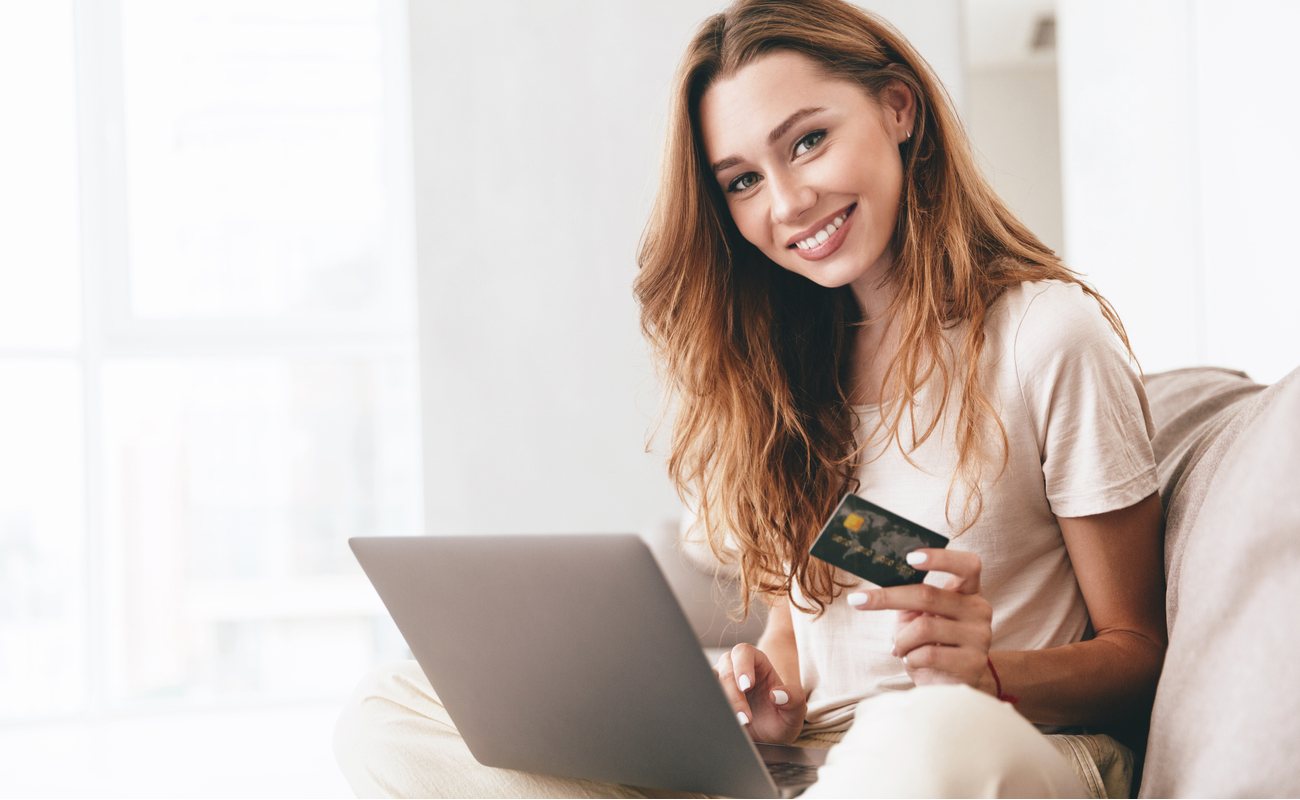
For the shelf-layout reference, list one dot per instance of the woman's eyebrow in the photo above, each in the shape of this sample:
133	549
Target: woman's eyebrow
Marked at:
780	130
773	137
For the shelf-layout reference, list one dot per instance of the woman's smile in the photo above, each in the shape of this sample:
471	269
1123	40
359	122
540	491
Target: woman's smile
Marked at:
825	238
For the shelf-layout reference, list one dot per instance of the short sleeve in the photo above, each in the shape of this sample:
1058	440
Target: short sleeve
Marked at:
1086	403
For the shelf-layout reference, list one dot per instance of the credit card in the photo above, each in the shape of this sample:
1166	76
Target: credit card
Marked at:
872	542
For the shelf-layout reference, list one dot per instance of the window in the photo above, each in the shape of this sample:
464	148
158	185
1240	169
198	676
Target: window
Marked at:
207	348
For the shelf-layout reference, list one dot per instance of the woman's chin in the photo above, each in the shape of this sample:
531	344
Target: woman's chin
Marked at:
829	275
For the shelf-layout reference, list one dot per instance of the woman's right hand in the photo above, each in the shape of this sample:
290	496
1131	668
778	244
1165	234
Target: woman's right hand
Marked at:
775	712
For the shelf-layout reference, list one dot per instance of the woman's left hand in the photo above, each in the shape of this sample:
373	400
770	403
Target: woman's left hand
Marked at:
943	634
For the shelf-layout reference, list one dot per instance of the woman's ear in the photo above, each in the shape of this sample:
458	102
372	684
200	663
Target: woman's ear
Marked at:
899	106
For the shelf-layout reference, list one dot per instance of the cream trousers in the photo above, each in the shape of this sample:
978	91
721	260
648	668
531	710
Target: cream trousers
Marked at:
395	739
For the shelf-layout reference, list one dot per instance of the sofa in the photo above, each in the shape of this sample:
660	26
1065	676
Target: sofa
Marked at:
1226	716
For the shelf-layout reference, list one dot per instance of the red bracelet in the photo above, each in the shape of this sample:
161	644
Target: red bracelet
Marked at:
1006	698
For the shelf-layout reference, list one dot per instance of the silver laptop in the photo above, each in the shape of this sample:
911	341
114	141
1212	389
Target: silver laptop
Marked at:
569	655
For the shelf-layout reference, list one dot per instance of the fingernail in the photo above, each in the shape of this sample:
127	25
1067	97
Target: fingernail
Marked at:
743	717
743	682
779	697
915	558
860	599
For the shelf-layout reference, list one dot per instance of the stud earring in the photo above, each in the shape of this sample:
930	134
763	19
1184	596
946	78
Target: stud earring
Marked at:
909	134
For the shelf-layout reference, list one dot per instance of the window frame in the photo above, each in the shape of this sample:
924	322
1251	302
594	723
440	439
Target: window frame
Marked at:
109	331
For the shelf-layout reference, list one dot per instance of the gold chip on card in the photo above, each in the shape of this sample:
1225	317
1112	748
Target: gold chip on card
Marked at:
854	522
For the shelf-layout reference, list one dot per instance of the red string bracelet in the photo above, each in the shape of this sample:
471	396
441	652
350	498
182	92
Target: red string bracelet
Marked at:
1006	698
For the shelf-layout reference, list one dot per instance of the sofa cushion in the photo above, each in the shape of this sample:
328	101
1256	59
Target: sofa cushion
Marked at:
1198	412
1226	719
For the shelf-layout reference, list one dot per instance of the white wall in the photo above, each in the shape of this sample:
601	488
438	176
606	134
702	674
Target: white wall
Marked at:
1249	170
1012	114
1178	166
1013	125
538	128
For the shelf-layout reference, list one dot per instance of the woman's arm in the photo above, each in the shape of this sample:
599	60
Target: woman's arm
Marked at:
1119	563
778	642
945	633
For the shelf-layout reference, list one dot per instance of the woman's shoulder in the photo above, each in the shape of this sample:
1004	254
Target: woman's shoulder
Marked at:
1047	318
1042	297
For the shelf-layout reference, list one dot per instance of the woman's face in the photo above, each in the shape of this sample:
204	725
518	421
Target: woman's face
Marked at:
809	165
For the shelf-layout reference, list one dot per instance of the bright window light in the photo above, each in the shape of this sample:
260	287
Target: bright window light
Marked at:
188	447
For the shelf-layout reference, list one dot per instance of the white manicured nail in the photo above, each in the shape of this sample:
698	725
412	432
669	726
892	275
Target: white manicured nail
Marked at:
915	558
858	599
779	697
743	682
743	717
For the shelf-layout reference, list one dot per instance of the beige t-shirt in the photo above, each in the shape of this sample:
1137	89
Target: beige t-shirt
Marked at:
1079	432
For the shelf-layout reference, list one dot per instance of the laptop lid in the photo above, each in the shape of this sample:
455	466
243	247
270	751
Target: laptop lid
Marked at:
565	655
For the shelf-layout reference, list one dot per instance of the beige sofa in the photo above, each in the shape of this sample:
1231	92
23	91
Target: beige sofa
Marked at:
1226	720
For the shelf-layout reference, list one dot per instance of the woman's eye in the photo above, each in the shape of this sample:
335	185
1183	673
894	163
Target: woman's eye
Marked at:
742	182
808	142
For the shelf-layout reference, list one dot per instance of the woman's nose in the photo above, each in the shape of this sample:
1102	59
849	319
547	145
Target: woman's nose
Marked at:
790	199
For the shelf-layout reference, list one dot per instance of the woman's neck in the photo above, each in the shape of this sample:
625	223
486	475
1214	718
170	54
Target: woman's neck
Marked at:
874	347
873	289
876	343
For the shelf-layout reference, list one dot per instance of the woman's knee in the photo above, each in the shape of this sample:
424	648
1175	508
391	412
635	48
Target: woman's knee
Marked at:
944	741
389	695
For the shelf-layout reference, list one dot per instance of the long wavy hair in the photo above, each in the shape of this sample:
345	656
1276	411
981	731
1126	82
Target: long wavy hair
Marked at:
758	357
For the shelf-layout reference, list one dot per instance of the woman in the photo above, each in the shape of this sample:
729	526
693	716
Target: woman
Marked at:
840	303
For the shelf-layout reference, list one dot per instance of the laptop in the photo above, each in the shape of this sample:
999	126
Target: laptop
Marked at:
569	655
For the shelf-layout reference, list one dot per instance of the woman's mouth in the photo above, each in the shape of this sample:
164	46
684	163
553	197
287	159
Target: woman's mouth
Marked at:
827	239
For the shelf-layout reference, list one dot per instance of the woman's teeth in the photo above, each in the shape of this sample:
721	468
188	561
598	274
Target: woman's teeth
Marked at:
821	235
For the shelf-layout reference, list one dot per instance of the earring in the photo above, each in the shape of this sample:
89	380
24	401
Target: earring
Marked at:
909	134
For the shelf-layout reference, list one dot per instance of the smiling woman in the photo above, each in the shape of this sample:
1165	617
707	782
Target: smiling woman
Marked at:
840	303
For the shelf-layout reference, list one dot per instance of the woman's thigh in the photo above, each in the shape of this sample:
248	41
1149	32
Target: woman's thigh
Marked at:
394	738
944	741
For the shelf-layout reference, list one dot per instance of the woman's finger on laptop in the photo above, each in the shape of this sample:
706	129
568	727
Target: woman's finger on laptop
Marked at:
742	662
754	670
729	677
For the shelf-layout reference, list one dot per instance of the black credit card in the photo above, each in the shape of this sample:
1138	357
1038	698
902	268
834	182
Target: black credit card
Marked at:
872	542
